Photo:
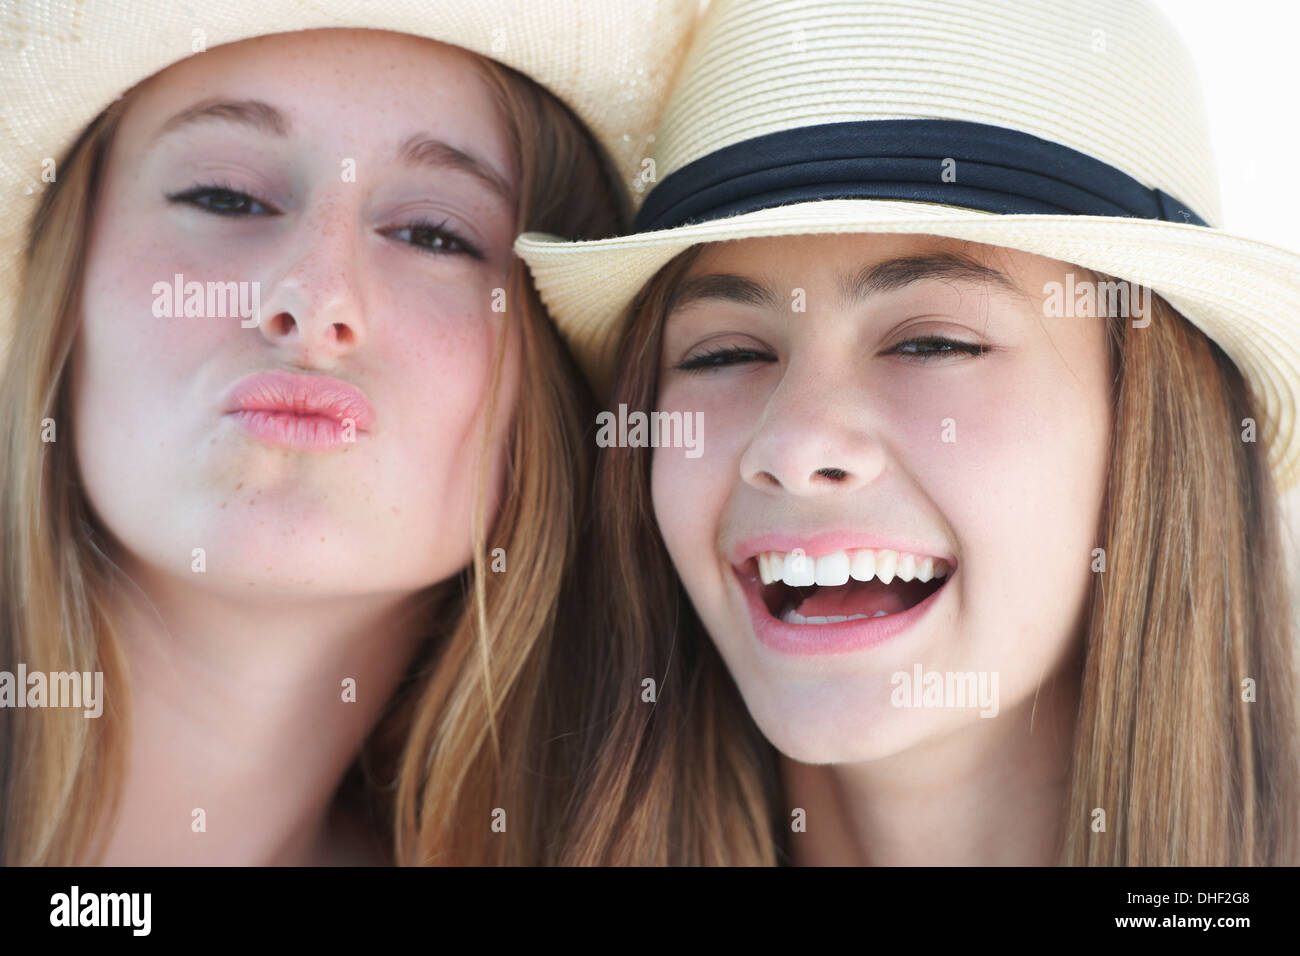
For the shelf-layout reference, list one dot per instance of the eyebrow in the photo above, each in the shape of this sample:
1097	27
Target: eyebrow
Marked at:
436	154
724	288
893	274
887	276
419	150
255	113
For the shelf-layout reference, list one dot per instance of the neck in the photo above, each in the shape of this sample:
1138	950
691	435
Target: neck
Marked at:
238	709
989	794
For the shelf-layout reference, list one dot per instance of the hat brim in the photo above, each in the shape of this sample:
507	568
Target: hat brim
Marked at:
610	61
1239	291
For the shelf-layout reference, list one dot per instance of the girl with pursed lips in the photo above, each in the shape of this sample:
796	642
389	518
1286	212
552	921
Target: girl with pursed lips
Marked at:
318	556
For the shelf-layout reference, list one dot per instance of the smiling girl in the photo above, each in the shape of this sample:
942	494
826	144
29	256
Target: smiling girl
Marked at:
314	550
961	577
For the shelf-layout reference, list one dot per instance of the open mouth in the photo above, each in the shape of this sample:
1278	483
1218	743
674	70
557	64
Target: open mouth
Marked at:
845	585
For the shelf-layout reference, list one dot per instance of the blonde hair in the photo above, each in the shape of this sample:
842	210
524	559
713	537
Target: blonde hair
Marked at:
452	733
485	723
1194	602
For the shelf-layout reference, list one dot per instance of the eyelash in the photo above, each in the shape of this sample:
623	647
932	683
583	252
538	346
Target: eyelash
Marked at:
195	196
942	345
443	235
723	357
720	358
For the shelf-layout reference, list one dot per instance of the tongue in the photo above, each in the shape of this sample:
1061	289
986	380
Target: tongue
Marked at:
856	597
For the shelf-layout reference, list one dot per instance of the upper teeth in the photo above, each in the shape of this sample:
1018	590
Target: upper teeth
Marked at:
801	570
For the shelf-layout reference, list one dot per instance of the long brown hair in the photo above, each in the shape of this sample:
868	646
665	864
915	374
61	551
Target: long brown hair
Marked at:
1189	767
456	732
484	724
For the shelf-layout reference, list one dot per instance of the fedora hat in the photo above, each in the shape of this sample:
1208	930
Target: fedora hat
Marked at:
63	61
1074	131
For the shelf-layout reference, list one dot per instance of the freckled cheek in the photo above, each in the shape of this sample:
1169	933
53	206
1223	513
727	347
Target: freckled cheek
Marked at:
443	321
437	360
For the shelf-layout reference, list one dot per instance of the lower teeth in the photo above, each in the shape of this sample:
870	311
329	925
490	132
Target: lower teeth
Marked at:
791	616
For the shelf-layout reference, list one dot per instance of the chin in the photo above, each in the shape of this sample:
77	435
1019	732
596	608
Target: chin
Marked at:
843	731
828	745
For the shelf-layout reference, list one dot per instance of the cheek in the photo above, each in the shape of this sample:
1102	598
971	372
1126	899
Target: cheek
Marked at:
678	501
1037	450
130	275
134	372
690	494
438	371
1021	485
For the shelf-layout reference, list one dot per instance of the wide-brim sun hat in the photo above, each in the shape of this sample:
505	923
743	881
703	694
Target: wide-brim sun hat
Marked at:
1075	131
63	62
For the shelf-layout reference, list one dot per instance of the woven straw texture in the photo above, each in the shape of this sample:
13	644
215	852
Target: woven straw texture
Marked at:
61	63
1109	78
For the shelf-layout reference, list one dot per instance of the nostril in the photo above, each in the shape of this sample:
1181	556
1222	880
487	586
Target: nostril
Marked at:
343	334
834	474
282	324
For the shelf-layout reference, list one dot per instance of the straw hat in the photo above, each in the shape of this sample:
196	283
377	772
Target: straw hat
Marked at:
1075	131
63	61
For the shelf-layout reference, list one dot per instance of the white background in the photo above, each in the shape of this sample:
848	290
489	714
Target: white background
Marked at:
1248	56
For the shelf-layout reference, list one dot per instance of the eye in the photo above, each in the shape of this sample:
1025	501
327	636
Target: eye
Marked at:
929	347
721	358
223	201
435	238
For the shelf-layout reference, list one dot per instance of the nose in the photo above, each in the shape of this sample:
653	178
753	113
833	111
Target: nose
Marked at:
817	434
314	311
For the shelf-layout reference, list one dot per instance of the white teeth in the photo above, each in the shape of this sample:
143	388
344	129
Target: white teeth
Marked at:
792	616
863	567
800	570
837	568
771	564
886	565
833	569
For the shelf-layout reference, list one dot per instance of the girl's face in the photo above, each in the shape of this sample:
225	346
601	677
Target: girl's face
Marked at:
358	186
865	395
